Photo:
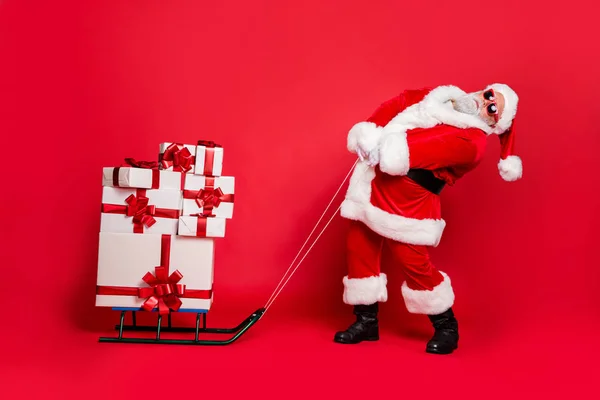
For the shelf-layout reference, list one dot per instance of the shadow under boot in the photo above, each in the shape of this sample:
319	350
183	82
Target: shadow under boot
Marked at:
445	338
366	326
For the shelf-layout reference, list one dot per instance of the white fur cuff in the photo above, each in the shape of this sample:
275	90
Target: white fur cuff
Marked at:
430	302
365	135
394	154
365	291
511	168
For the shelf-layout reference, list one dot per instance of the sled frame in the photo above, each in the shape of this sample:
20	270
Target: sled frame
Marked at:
236	332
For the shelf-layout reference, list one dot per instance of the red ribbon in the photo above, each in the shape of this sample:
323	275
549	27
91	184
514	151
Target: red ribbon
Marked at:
131	162
164	291
209	197
141	212
201	226
209	157
208	143
137	207
141	164
177	156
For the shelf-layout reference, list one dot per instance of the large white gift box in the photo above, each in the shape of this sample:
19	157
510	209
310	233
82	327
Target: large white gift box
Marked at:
143	178
201	226
178	157
155	272
129	210
209	159
209	196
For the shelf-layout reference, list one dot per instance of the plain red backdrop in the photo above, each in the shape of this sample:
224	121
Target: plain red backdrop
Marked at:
85	84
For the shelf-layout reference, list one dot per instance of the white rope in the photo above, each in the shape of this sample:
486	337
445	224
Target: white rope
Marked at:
302	259
315	227
276	291
306	241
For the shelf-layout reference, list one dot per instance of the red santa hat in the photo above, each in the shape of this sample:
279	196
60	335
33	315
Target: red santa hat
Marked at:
510	165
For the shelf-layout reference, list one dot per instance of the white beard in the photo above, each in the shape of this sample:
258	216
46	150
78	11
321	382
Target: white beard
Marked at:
466	104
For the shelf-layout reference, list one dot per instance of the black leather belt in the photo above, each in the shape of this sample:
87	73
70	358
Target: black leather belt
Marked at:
426	179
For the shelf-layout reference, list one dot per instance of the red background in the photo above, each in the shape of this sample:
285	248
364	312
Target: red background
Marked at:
279	84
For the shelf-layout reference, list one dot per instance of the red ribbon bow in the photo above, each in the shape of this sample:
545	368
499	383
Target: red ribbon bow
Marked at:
209	198
141	164
139	209
178	156
208	143
164	290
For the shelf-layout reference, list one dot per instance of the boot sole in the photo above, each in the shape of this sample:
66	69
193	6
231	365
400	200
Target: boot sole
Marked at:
370	339
434	351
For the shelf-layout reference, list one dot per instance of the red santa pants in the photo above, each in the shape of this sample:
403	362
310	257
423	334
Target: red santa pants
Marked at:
426	290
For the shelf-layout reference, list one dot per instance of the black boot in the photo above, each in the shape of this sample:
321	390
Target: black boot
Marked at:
366	326
445	338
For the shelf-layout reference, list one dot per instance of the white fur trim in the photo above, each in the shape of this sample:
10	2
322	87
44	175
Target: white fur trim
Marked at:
394	154
437	104
357	206
435	108
364	291
365	135
511	101
511	168
430	302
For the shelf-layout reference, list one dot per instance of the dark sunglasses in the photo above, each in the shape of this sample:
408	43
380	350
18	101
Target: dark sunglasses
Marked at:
492	108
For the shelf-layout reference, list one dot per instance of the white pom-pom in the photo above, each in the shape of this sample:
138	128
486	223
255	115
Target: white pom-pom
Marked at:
511	168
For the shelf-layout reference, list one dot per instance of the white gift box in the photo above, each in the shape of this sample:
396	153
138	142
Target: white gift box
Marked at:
159	216
125	258
143	178
215	194
201	226
176	158
209	159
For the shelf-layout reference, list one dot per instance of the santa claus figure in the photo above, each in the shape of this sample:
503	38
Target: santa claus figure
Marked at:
409	149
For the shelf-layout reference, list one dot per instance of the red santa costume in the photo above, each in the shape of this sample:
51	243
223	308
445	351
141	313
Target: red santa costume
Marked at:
417	130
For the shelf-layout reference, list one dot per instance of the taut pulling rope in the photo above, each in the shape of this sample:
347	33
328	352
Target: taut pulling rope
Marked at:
278	289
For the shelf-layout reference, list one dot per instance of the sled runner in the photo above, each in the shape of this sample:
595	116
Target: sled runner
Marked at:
237	331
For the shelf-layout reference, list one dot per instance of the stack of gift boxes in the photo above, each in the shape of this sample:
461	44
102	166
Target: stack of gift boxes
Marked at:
158	224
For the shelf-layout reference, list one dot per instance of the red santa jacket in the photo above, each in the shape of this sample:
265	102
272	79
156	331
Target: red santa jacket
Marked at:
416	129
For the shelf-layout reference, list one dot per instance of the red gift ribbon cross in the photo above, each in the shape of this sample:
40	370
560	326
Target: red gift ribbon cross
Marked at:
210	197
209	157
